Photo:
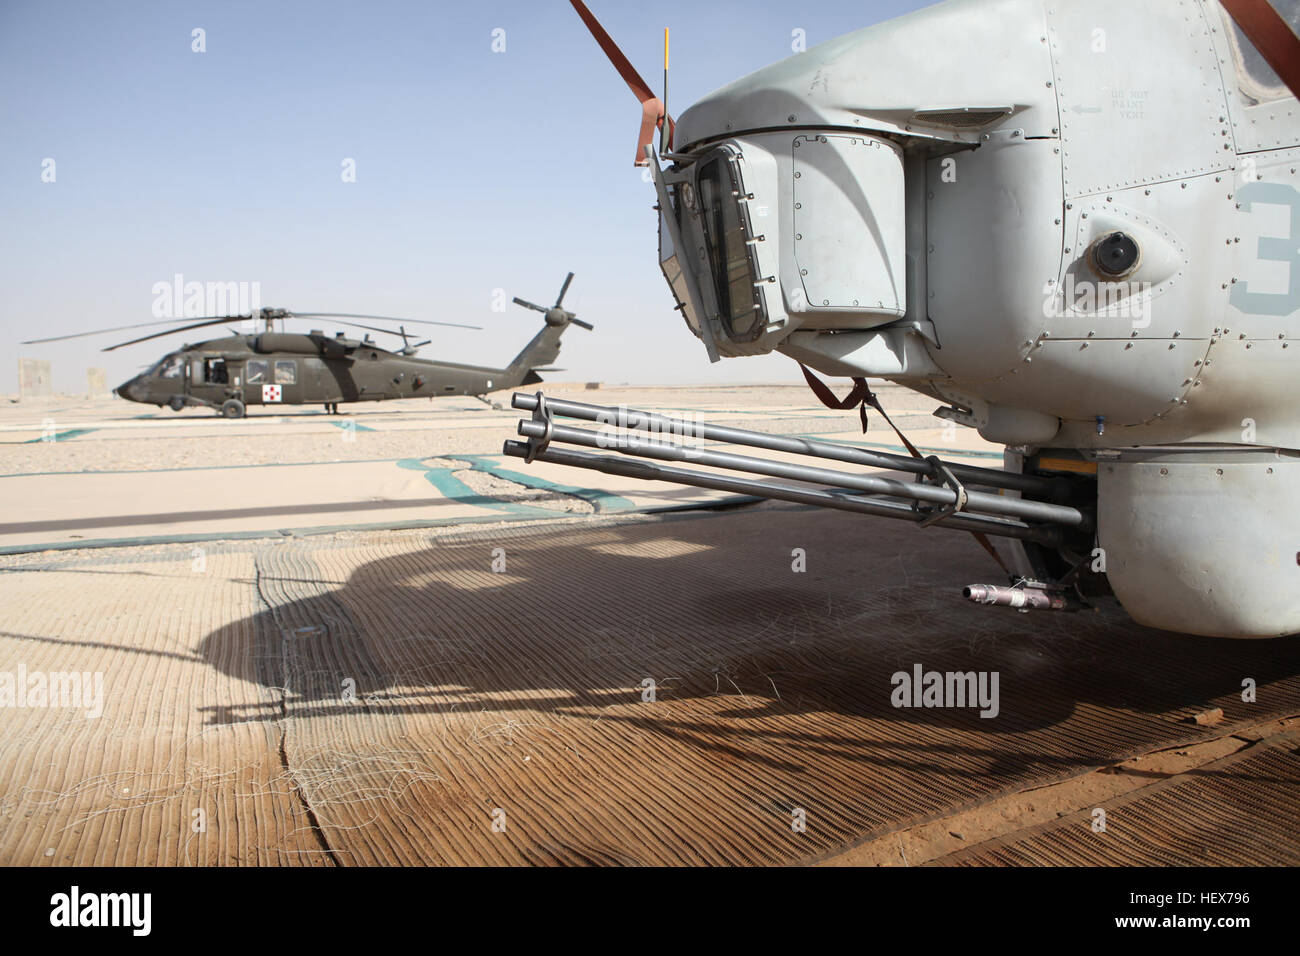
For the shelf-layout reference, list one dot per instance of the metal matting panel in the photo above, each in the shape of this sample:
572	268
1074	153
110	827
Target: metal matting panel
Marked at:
521	690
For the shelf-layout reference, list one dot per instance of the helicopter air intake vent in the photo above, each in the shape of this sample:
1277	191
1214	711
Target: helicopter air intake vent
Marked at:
964	118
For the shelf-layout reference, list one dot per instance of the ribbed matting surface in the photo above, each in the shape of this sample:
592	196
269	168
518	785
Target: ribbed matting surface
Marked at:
388	698
1241	809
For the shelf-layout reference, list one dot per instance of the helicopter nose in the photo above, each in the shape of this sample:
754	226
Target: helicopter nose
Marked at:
131	390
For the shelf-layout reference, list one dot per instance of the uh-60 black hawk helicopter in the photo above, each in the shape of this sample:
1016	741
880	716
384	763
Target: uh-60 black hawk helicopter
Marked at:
290	368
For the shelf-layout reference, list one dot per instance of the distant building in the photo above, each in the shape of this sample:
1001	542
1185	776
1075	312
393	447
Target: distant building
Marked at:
34	379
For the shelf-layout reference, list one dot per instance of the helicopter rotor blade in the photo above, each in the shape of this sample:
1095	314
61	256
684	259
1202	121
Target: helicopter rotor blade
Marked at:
372	328
183	328
563	289
196	322
640	89
1273	37
529	305
403	335
125	328
654	112
583	325
384	318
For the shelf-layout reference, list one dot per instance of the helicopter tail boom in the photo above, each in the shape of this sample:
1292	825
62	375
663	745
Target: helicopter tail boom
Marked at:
540	351
545	345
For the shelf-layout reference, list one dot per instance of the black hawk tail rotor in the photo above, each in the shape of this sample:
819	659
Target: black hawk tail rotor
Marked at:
556	314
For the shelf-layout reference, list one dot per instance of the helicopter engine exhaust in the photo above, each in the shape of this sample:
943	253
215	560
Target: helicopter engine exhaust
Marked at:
942	493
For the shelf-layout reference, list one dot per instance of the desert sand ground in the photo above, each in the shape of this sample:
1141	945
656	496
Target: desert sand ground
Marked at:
373	639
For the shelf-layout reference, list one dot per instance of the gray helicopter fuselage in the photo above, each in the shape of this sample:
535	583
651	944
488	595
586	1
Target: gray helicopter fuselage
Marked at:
1076	225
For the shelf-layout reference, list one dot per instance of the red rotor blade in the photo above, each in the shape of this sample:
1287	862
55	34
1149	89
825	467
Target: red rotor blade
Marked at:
653	115
1272	36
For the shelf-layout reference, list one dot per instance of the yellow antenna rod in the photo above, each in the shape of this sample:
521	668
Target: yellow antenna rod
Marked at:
663	128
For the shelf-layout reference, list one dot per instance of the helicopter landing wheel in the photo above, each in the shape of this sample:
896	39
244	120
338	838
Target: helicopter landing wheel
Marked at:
232	408
176	403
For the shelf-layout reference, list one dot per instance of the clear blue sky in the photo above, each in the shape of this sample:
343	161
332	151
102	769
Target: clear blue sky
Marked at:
475	170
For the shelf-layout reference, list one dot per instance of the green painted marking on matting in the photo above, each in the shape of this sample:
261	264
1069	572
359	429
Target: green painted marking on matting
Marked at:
59	436
452	487
601	501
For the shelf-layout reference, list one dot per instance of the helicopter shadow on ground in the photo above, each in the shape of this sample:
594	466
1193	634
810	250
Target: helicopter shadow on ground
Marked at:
253	511
710	608
400	409
261	412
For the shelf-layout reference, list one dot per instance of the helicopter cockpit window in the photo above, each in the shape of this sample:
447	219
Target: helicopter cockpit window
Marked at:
172	366
255	372
1256	80
725	235
286	372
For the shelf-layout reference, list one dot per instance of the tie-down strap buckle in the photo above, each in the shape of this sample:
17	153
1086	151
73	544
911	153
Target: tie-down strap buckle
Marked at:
941	474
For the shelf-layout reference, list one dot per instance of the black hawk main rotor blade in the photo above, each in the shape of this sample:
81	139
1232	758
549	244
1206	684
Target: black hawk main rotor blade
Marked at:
183	328
382	318
126	328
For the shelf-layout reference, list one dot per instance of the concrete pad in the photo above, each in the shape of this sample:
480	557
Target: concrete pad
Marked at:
106	471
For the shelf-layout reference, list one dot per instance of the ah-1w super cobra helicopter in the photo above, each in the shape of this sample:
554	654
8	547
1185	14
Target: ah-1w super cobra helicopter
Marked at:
1076	225
288	368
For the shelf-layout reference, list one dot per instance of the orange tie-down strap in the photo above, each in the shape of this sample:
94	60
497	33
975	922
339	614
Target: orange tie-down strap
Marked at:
861	396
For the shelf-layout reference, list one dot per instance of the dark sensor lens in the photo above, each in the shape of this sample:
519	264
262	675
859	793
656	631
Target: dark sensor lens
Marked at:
1115	254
